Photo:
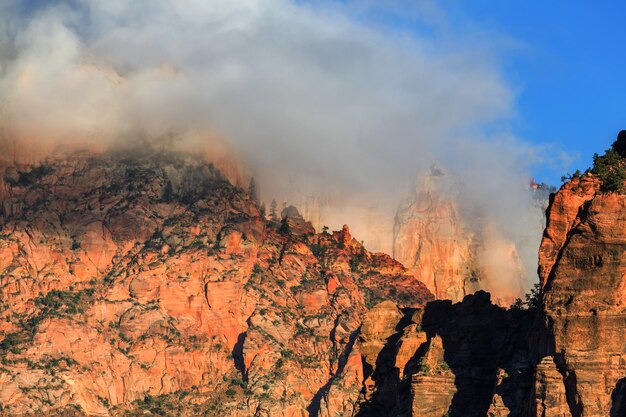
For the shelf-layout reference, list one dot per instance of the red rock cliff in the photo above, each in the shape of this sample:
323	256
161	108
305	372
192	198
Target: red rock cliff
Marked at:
582	266
146	283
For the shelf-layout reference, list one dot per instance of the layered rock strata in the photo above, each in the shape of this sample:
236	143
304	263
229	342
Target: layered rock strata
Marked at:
583	274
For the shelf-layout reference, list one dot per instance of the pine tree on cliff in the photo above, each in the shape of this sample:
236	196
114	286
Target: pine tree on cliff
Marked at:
620	144
611	167
273	213
252	191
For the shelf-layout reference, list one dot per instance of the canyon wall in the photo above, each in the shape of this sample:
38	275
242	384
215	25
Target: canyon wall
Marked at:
456	248
583	274
146	283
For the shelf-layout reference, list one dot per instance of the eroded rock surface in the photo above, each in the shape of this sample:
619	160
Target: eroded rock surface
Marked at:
456	249
583	272
146	281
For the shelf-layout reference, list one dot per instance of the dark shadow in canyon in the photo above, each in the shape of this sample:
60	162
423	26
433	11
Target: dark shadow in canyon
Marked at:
487	349
314	406
618	399
238	356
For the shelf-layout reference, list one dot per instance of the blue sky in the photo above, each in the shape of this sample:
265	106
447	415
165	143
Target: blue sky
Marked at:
568	70
562	59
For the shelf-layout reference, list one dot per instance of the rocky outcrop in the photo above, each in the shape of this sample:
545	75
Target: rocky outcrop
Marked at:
465	359
433	386
486	348
451	256
583	272
431	395
549	391
144	282
431	240
562	216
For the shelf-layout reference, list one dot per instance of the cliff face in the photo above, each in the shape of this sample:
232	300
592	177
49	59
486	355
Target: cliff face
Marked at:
583	273
452	257
465	359
147	282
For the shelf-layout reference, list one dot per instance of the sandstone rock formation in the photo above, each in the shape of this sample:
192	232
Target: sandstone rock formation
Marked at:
549	391
433	386
583	274
452	257
431	240
145	282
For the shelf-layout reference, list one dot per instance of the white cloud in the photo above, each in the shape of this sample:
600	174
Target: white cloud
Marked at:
309	95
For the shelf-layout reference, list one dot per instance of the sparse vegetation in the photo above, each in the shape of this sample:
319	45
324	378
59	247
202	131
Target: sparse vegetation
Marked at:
532	299
611	167
256	269
57	303
357	259
31	177
168	192
423	367
12	342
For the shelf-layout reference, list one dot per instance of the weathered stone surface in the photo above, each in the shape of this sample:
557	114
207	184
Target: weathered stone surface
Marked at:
433	386
431	394
146	282
583	271
549	391
452	254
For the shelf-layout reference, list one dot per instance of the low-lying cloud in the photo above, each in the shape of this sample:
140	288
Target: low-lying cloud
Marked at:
323	104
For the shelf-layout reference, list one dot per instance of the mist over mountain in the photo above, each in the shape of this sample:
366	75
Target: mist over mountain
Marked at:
304	208
312	98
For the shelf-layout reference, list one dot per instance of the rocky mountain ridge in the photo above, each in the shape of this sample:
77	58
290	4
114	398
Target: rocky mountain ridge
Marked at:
146	284
131	276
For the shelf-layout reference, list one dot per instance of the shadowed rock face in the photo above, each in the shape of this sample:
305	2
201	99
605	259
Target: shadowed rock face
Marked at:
465	359
583	272
147	282
486	348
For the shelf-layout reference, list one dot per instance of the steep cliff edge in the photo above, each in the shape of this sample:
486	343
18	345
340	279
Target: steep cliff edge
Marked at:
467	359
583	273
146	283
431	239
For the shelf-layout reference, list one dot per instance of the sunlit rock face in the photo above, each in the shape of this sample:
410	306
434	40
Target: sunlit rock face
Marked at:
127	275
431	241
583	273
144	282
453	257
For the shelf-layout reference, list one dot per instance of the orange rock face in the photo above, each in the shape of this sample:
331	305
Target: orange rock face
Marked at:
432	387
146	281
549	393
583	272
430	239
454	258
